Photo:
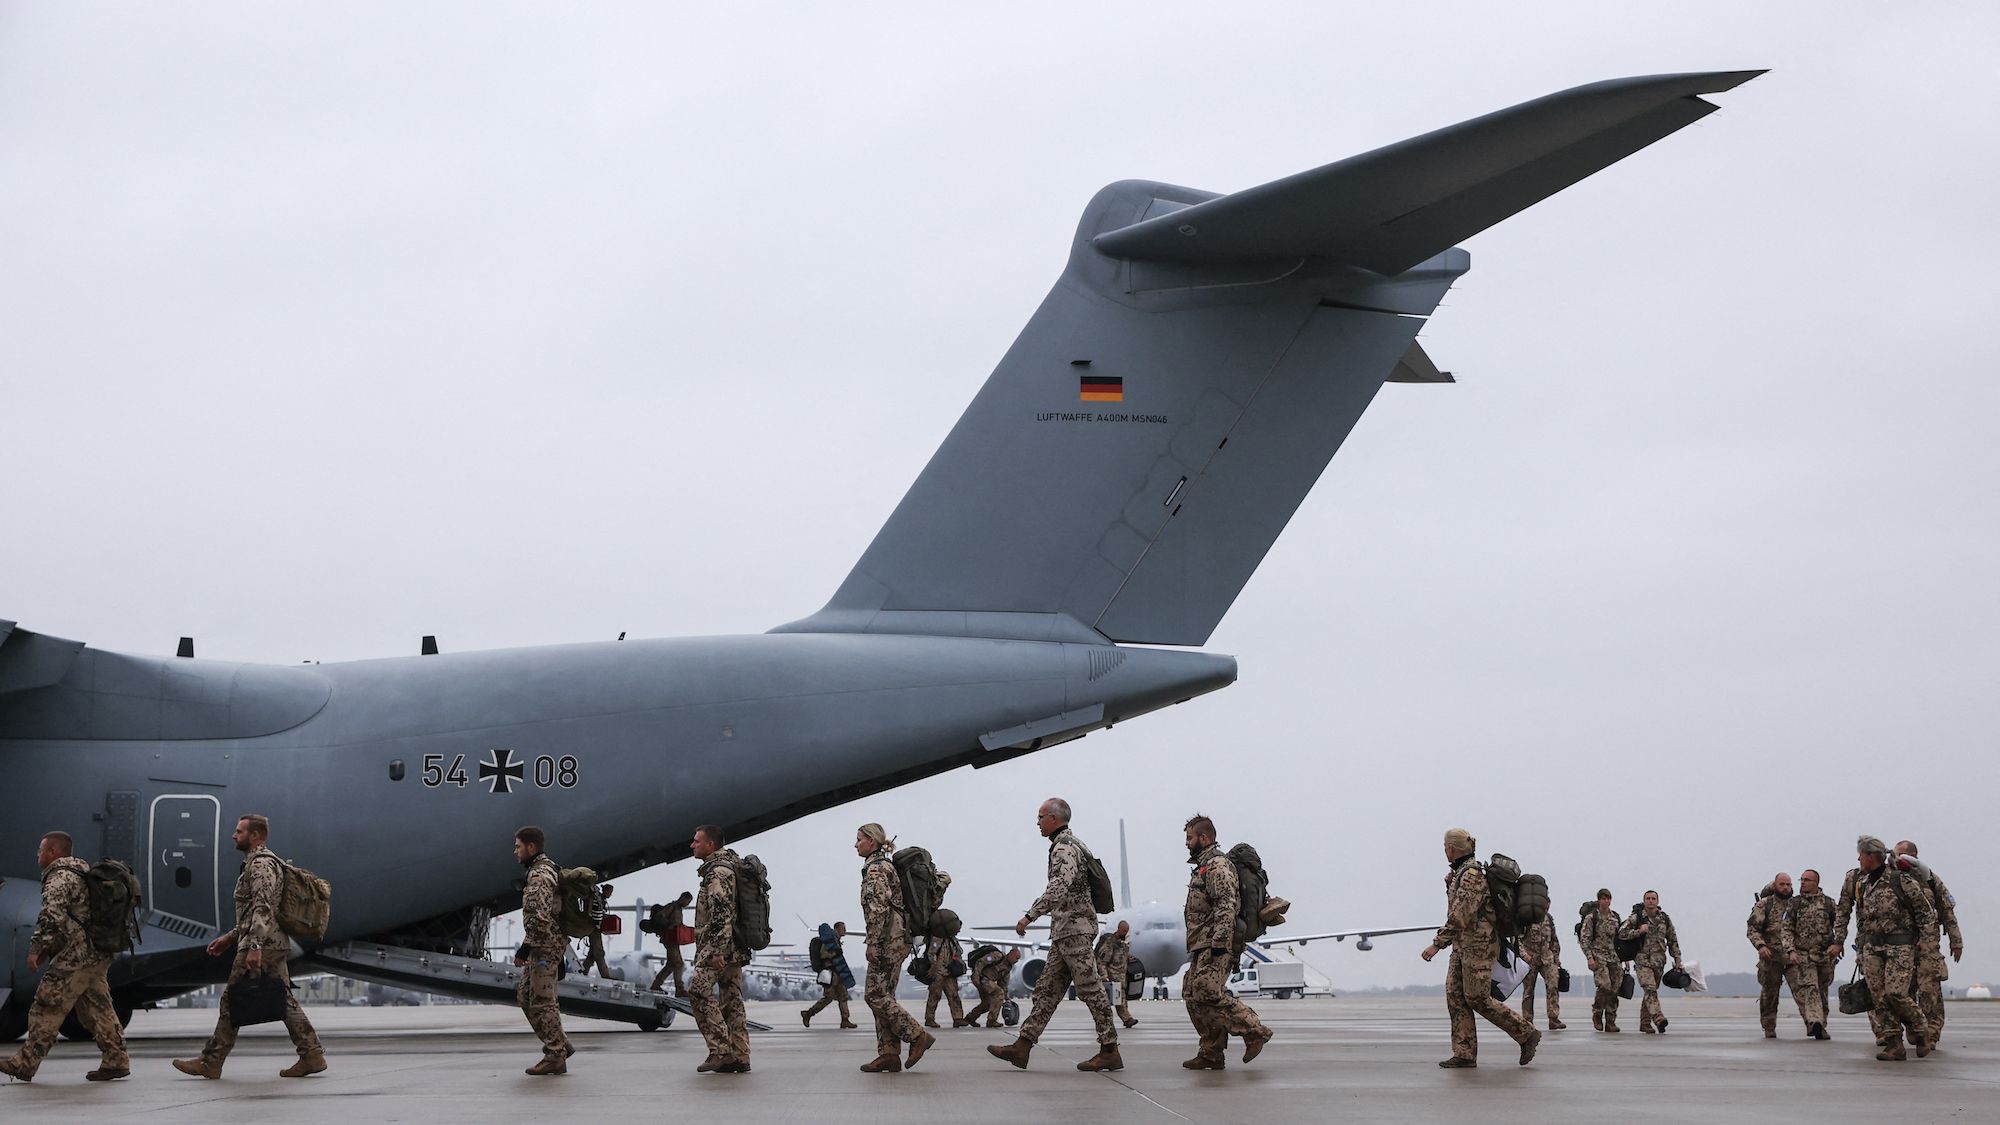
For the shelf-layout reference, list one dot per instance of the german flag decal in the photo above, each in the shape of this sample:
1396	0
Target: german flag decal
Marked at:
1101	388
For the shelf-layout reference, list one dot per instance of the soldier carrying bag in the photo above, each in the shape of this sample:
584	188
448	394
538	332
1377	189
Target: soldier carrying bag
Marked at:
257	998
305	903
1855	997
753	904
918	876
112	894
580	908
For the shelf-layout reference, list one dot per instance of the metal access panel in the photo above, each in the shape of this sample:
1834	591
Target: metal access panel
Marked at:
183	876
121	826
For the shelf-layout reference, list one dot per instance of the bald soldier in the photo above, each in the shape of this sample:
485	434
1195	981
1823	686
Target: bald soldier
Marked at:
76	970
1931	969
1777	963
1114	954
1470	934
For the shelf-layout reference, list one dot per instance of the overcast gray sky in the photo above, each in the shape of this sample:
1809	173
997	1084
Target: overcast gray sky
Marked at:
325	327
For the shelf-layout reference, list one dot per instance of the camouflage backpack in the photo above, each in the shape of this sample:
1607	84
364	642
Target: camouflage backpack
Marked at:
305	902
1519	901
1253	891
111	893
753	904
918	876
580	906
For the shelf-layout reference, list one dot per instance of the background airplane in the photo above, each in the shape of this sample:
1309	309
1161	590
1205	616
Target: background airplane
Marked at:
1113	485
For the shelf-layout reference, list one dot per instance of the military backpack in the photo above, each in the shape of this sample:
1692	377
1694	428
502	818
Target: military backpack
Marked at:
816	956
753	904
1519	901
1253	895
1101	899
917	876
111	894
580	904
305	902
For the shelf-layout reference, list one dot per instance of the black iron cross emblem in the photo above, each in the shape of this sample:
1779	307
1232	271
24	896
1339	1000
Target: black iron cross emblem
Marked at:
498	768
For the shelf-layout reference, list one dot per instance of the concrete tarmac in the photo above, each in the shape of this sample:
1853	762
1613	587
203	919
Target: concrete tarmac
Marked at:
1342	1059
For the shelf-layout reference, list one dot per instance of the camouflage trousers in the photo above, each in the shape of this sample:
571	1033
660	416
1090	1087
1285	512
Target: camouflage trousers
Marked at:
1772	973
992	997
894	1025
304	1039
1468	991
1818	977
63	987
716	995
943	988
1931	975
537	996
835	993
1891	971
675	968
1071	961
1609	976
1550	973
1649	986
1215	1014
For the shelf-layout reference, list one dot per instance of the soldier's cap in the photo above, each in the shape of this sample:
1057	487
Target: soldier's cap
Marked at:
1459	840
878	834
1867	844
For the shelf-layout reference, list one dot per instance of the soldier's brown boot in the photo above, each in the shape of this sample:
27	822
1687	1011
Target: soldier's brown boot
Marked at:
992	1023
1106	1058
106	1073
849	1024
307	1064
882	1064
1015	1052
15	1068
1645	1028
200	1068
1892	1053
1556	1024
1611	1026
918	1048
1528	1046
1770	1033
1253	1045
1206	1062
1922	1043
806	1017
708	1063
1597	1019
733	1066
550	1065
929	1022
1457	1063
1661	1026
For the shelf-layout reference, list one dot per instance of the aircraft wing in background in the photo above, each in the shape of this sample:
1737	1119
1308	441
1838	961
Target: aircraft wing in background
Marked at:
1340	935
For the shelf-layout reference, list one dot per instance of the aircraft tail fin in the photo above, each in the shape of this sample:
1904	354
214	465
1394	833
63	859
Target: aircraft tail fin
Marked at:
1140	447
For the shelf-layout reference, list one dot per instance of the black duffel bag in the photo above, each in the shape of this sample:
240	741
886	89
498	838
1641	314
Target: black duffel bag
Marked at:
1855	996
1562	980
1676	978
920	969
1625	986
257	998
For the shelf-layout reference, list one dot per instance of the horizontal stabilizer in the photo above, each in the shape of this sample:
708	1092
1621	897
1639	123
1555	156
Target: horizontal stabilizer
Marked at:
1416	367
1389	209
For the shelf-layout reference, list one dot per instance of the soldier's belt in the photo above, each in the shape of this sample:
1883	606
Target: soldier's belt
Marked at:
1892	939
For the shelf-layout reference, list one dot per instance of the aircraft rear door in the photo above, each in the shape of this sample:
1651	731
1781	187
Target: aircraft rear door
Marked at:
182	873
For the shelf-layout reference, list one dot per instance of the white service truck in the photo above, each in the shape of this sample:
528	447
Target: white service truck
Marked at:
1282	979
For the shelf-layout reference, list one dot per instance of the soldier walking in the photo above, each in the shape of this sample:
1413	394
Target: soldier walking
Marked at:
76	972
1893	912
888	944
1474	942
1072	924
1931	969
673	916
1777	963
1652	924
260	950
991	973
834	991
1210	914
1599	936
1114	953
716	990
1808	930
943	953
1542	948
541	953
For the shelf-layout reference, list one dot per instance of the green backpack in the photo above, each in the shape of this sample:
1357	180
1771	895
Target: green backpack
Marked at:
112	894
921	893
582	907
753	904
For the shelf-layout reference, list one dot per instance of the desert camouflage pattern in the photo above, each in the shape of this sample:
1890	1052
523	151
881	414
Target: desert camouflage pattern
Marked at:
1071	961
1216	1014
1468	988
1600	950
1932	969
1542	946
257	891
835	993
1890	926
1661	940
715	991
74	976
715	907
1766	928
536	994
943	951
676	966
1066	899
1114	953
544	945
882	913
990	978
1210	912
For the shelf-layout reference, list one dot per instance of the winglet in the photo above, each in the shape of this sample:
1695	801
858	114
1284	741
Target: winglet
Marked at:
1390	209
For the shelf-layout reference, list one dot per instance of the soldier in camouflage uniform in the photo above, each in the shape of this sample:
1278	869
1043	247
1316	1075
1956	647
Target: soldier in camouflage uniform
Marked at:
1543	949
942	952
1931	969
672	917
834	991
261	948
715	992
542	949
1891	913
1210	914
990	976
1808	928
1072	925
1776	963
1114	953
888	944
1599	937
1469	933
1652	924
76	972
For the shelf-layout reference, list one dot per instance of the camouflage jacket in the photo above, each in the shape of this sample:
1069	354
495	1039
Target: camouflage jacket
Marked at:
1661	939
1541	944
1946	908
715	907
1809	926
1468	910
1766	926
59	933
1212	901
541	910
943	951
1066	900
993	971
882	908
257	890
1112	953
1600	937
1882	916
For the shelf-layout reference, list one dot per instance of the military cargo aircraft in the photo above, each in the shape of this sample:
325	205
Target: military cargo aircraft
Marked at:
1112	485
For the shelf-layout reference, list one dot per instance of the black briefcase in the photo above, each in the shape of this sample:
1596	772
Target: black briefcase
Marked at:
1625	986
1562	980
257	999
1855	996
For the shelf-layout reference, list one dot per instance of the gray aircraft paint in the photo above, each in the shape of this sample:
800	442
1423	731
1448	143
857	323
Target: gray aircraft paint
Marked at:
978	626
